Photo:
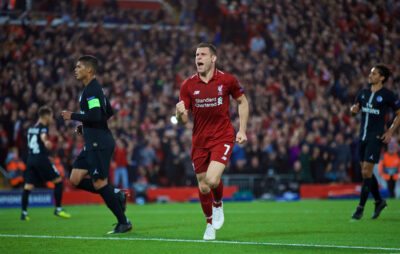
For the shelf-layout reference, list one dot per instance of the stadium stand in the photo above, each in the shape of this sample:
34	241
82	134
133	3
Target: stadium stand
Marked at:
300	62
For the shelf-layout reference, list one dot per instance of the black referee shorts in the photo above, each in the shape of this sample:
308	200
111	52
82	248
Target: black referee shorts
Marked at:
97	162
39	169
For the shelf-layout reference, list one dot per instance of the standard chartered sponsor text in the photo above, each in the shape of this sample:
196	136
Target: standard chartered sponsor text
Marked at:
208	102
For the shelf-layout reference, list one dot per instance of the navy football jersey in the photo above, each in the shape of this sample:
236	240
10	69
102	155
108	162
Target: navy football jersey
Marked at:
374	107
35	143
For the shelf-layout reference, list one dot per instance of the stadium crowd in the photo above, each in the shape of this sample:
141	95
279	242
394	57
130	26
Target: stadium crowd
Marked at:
301	64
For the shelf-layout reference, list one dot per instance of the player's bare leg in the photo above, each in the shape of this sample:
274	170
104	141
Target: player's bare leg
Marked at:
213	180
78	180
24	200
58	189
205	196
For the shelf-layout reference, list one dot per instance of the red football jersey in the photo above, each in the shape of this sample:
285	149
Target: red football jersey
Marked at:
209	103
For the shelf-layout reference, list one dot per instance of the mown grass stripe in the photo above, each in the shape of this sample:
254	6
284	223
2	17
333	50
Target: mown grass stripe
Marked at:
197	241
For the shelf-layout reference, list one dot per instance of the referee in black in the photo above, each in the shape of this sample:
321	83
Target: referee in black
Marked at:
99	143
373	103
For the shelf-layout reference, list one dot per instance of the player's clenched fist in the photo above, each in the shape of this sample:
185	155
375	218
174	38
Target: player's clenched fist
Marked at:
241	137
180	107
181	113
355	109
78	129
66	115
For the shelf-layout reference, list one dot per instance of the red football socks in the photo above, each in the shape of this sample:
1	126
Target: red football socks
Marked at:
206	204
217	193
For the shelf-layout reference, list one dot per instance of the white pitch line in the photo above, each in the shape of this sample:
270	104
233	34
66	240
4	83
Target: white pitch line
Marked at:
196	241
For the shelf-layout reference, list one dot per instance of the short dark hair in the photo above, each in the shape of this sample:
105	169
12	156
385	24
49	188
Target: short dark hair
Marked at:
383	71
89	61
44	110
213	49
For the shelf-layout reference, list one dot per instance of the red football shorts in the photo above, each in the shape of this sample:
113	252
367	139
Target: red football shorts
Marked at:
201	157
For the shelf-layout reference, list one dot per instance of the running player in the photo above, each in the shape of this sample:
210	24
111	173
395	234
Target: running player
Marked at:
207	94
39	168
99	143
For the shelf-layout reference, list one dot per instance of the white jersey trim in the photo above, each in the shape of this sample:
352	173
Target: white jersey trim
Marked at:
367	118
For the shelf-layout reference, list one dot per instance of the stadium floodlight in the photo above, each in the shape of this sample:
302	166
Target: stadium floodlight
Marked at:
173	120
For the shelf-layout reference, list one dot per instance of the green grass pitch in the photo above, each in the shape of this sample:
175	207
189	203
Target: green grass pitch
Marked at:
310	226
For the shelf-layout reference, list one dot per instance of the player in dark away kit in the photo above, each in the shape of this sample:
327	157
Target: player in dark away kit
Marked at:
373	103
39	167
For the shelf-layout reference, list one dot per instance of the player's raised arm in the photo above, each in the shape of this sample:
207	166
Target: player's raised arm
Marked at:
182	114
243	106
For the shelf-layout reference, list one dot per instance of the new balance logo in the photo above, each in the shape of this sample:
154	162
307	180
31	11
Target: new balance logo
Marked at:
224	158
196	92
371	157
95	172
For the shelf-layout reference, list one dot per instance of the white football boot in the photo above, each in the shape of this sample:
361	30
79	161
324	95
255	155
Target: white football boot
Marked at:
218	217
210	232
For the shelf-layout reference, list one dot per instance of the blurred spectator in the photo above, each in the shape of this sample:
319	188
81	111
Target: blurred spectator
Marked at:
188	9
147	155
294	150
15	167
300	84
140	187
174	166
59	166
121	159
56	161
305	162
81	9
254	166
149	162
342	158
257	44
253	155
238	159
389	166
270	162
297	171
4	144
282	161
317	165
110	5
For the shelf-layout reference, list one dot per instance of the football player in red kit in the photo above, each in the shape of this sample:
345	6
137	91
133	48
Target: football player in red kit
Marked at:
207	94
